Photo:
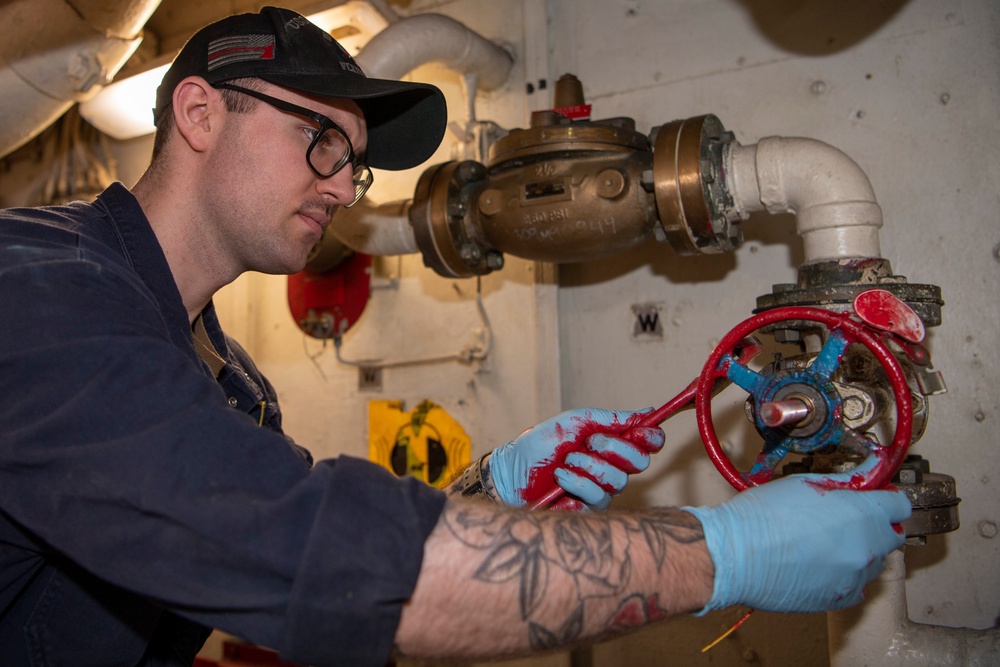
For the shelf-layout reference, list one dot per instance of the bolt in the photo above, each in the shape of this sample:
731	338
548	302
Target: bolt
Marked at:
988	529
470	253
471	171
86	69
494	260
854	407
909	476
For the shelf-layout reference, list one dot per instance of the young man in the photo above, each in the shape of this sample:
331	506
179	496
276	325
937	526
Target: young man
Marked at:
147	493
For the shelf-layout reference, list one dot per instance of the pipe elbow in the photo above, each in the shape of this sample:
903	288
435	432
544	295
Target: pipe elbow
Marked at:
426	38
832	198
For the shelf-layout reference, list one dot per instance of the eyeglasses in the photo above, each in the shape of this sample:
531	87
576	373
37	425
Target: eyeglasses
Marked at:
330	148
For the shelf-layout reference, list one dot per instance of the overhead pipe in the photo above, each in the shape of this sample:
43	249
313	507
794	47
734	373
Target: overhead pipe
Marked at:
425	38
59	52
391	54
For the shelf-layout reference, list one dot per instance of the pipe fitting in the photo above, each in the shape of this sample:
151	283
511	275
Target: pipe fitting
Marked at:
836	212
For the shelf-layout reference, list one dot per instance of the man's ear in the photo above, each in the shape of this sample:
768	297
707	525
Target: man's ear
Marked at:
197	112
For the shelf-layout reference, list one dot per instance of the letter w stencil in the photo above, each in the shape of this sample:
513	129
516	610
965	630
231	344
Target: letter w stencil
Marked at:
647	323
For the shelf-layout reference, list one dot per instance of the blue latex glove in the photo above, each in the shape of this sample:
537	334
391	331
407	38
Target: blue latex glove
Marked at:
795	545
589	453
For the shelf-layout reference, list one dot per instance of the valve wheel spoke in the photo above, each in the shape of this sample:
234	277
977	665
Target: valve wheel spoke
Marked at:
828	360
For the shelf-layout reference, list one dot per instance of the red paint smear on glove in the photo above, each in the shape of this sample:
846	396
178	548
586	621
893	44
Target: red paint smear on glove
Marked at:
542	479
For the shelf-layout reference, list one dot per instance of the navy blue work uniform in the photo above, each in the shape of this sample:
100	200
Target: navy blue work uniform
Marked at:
141	500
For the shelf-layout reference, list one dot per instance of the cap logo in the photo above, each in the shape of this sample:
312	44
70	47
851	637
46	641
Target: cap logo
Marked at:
239	48
351	67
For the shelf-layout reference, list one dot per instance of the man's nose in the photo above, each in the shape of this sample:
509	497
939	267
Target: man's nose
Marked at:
340	185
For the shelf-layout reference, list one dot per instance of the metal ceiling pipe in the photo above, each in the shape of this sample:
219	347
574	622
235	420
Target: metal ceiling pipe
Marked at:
58	52
834	204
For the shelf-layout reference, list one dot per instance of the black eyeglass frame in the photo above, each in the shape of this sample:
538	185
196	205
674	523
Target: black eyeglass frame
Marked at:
325	124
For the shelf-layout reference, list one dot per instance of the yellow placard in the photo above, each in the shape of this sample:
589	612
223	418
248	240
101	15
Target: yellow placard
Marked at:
426	442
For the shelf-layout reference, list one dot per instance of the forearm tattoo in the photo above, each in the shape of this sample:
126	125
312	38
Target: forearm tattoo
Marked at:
543	550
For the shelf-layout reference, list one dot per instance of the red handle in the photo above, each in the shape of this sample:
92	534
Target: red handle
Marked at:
749	348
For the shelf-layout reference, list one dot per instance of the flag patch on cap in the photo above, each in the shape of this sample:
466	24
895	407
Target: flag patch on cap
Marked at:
239	48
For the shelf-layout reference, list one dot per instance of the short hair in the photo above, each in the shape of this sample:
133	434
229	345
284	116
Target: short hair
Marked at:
235	103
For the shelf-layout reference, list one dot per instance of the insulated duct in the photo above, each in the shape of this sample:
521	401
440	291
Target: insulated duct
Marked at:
59	52
391	54
426	38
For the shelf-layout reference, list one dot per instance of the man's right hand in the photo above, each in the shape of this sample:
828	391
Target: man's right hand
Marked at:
799	545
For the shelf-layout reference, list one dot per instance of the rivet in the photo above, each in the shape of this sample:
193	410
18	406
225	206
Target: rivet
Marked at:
980	416
945	98
233	402
818	87
988	529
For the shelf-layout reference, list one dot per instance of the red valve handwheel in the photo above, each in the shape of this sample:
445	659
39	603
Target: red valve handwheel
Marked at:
718	367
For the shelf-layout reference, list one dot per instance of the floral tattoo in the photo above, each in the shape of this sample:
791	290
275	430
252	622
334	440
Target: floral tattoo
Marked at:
539	550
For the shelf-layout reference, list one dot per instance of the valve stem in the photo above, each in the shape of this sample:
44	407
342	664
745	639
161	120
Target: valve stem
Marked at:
788	411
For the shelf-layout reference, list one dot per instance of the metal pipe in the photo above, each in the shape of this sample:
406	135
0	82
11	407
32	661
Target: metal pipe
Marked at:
382	230
837	215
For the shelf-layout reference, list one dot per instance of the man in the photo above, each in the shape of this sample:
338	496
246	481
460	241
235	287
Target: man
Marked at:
147	493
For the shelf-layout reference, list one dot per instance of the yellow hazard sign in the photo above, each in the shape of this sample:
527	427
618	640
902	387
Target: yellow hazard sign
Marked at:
426	442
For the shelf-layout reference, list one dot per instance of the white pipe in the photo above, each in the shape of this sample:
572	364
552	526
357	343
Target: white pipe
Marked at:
837	215
400	48
375	230
57	52
426	38
879	633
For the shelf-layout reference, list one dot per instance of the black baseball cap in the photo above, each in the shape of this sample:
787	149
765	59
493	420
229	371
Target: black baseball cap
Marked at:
406	120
